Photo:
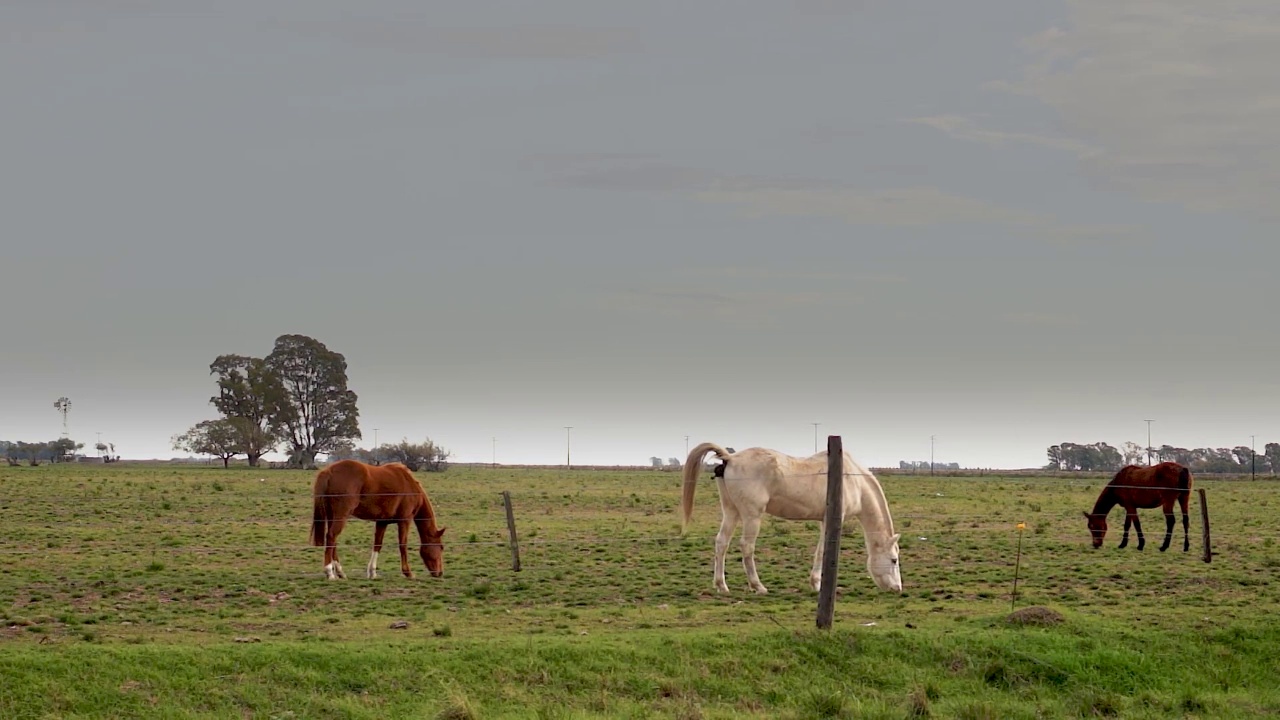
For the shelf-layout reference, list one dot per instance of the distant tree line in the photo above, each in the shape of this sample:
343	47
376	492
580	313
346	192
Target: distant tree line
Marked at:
295	398
919	465
426	456
35	453
1102	457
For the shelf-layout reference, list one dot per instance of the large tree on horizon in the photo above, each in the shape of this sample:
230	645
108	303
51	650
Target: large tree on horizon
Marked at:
314	411
219	438
248	392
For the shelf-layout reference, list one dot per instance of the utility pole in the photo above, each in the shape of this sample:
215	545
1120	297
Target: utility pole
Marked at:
686	446
375	447
1148	442
99	444
931	437
815	437
1253	457
567	464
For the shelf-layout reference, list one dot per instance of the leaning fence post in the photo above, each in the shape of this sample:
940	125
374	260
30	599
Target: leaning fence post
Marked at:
511	530
831	531
1204	524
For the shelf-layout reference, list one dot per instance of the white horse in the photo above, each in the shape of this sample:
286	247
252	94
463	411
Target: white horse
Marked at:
756	481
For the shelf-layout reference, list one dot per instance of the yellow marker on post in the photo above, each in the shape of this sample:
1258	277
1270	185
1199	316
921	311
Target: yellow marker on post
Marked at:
1022	526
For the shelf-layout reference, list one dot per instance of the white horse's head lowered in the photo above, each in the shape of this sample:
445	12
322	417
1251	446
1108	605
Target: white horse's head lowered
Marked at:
882	562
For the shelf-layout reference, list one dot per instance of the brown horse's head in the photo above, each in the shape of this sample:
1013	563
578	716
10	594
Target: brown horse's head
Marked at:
1097	527
432	552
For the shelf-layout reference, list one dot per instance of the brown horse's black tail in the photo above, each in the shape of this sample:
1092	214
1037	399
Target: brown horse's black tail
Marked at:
320	508
1184	480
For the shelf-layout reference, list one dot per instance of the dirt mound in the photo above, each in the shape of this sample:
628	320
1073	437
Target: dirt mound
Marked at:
1035	615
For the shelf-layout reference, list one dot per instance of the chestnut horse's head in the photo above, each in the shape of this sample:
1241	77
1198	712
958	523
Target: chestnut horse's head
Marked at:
432	552
1097	527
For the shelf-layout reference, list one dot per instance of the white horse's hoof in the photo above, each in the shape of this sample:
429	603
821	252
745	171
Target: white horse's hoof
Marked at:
761	590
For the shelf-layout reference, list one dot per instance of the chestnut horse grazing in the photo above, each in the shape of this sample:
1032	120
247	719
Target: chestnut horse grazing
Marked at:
384	494
1136	487
756	481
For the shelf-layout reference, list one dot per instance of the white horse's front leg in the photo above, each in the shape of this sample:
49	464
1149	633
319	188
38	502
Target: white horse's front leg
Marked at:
728	521
815	575
371	570
750	530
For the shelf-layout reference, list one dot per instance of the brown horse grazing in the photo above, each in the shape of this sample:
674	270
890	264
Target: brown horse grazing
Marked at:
384	494
1143	487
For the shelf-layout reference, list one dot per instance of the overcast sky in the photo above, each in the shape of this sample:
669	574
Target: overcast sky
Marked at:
1007	224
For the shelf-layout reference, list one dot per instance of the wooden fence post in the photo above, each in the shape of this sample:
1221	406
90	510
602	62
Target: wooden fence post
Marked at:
1204	524
511	530
831	531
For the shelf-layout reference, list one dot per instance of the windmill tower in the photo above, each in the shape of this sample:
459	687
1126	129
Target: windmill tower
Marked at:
63	405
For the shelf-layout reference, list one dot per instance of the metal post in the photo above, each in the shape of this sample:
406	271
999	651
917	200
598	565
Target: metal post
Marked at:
831	523
567	464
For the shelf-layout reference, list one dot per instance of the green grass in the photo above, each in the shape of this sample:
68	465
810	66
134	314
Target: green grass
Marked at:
161	591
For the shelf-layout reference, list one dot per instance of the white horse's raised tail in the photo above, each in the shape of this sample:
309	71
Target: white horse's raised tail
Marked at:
757	481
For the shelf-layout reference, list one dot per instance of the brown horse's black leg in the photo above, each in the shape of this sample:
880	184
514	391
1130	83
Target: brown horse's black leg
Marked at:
1137	527
403	528
1168	530
379	531
1124	539
1186	532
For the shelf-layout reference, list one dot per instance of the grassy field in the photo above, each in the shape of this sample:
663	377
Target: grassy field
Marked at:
176	591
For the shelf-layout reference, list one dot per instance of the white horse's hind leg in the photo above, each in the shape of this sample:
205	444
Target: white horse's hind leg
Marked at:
728	521
750	530
371	570
815	575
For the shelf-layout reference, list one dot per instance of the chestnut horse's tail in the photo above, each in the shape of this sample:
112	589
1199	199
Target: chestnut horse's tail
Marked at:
692	467
320	508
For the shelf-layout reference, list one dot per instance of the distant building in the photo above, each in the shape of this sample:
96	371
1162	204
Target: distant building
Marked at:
923	465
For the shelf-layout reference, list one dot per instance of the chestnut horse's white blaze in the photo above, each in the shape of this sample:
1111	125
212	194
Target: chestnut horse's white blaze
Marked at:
757	481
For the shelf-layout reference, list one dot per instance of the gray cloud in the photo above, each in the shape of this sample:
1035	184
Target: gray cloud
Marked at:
427	37
814	197
963	128
908	207
1178	99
